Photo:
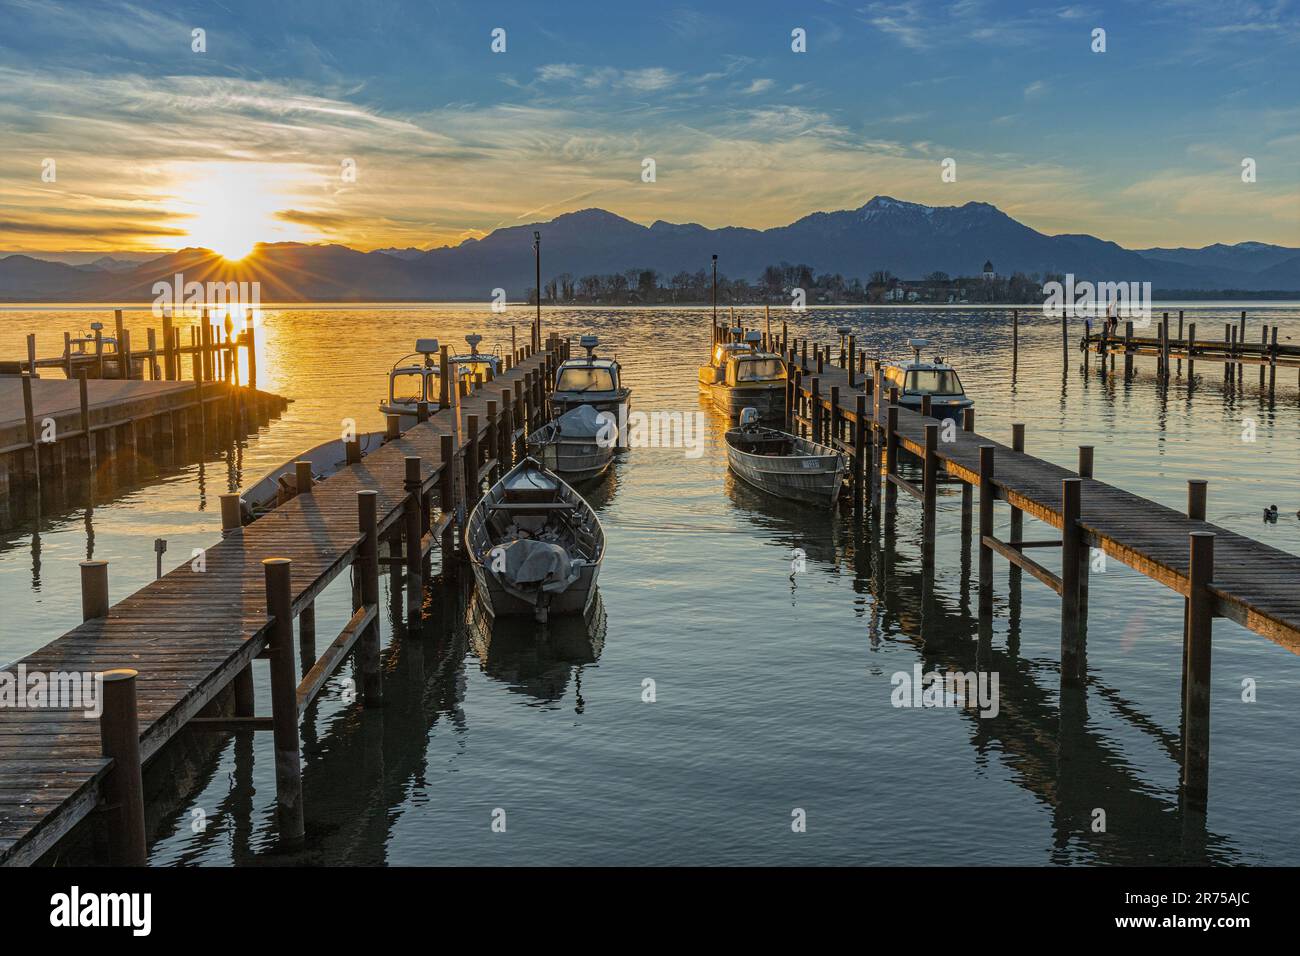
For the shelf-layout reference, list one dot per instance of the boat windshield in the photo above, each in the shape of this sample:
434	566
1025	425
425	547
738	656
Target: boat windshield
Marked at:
759	370
578	378
934	382
471	369
408	387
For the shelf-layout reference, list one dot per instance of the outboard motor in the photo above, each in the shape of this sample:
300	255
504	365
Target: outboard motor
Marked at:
749	418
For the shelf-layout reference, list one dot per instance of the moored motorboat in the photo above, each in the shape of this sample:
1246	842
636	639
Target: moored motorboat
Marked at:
591	380
579	445
534	544
412	380
739	375
782	464
918	378
280	484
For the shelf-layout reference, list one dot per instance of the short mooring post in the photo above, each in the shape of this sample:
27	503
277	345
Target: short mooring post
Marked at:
302	478
986	530
284	698
929	494
1071	542
119	737
94	589
1085	461
372	686
414	541
1196	671
231	513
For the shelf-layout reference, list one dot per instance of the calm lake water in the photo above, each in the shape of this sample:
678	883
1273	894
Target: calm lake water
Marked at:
771	693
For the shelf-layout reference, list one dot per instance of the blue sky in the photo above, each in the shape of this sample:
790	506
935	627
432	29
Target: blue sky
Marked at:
157	146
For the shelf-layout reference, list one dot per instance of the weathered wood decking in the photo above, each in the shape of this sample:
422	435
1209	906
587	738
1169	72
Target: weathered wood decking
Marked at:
190	634
1255	585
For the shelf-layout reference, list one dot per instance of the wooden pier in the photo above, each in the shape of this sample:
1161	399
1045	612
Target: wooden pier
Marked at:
111	406
1170	350
178	653
1220	573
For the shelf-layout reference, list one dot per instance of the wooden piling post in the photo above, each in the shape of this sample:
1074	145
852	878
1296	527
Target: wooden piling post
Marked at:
1197	641
413	521
352	452
1191	351
472	488
169	360
94	590
987	493
852	366
1181	344
891	453
929	494
1128	350
1015	342
835	419
1197	497
446	502
967	495
1272	365
815	412
284	698
1071	545
1085	461
1017	516
927	406
119	737
860	432
372	678
302	478
232	517
392	427
492	435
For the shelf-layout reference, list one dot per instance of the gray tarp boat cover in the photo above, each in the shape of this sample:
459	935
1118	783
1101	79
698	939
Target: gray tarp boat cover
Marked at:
531	563
581	422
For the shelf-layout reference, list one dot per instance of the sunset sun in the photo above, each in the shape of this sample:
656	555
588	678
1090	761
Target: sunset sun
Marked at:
233	206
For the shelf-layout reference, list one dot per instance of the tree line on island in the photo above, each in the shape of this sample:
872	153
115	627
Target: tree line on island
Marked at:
777	283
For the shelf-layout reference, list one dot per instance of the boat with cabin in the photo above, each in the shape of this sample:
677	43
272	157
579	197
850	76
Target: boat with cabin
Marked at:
740	375
535	545
594	381
414	380
919	378
784	465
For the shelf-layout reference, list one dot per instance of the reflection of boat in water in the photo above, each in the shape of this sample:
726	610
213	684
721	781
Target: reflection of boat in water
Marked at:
535	545
413	382
579	445
535	659
789	524
784	465
738	375
918	378
280	484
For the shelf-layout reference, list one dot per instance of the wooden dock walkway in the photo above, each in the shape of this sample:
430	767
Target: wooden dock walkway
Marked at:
1218	572
191	637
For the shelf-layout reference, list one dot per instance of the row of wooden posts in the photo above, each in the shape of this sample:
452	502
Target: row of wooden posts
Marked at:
1233	352
873	445
213	348
467	459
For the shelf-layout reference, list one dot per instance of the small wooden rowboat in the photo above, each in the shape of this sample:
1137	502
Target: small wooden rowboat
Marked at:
784	465
535	545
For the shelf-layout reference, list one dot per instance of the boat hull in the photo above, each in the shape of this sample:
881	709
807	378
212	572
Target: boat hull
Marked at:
574	461
814	478
940	410
769	400
499	597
